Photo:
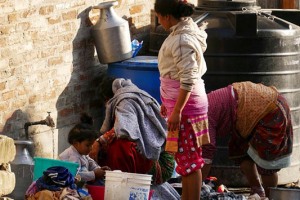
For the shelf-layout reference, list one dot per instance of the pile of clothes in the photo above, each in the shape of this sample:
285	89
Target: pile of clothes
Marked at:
57	183
208	193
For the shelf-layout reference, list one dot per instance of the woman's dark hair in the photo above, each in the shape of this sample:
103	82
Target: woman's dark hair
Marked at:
105	87
81	132
176	8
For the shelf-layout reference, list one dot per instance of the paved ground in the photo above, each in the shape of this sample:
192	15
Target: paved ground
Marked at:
292	187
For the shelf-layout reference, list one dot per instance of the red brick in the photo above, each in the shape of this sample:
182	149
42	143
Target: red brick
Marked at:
65	112
23	26
70	15
45	10
136	9
54	20
18	103
28	13
55	61
13	17
2	86
8	95
33	99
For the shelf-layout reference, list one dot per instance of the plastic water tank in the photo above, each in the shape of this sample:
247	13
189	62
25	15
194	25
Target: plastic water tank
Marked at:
142	70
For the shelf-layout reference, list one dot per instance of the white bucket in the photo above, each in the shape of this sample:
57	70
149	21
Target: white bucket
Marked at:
126	186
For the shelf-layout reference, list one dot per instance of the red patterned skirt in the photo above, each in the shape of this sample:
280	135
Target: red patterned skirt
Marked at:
272	137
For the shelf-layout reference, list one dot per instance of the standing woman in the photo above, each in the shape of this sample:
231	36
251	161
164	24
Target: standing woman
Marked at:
184	102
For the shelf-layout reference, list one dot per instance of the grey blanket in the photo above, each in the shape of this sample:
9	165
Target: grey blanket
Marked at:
136	115
164	192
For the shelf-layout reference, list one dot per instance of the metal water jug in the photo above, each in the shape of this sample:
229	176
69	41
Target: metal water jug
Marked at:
111	35
22	166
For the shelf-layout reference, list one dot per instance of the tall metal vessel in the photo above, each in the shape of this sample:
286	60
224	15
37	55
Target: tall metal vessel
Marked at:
111	35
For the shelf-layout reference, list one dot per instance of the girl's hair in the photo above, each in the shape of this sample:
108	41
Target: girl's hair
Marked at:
83	131
176	8
87	119
105	87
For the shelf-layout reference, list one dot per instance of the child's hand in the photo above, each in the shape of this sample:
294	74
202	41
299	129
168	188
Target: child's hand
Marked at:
106	168
99	173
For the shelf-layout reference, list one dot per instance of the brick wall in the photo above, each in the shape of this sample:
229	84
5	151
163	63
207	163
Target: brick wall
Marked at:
48	63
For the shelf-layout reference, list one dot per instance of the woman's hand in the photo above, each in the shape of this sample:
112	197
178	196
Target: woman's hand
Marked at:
174	121
163	110
95	150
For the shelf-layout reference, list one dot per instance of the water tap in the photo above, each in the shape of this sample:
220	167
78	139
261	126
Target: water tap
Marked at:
48	121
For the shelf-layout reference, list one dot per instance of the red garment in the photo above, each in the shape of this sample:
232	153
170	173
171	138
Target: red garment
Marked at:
123	155
272	137
189	155
221	117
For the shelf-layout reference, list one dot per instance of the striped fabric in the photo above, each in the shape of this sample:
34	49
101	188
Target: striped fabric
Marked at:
172	141
200	127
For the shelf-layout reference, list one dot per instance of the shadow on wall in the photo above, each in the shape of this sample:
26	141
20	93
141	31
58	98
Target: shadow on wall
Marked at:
14	128
14	125
80	94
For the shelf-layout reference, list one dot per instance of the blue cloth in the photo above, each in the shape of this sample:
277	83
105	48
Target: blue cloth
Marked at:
55	178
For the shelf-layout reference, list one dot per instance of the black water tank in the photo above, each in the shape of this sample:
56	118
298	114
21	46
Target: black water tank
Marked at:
246	43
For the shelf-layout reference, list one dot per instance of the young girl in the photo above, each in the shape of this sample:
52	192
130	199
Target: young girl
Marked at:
181	65
81	138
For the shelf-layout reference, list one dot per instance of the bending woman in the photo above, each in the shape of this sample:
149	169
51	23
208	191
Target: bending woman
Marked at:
133	135
259	121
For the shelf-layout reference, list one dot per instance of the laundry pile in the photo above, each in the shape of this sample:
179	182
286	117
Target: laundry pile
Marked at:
208	193
56	183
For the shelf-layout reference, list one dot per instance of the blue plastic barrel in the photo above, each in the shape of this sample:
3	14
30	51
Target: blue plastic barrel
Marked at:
143	72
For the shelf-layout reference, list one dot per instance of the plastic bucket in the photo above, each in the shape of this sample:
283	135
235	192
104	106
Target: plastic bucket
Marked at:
96	192
120	186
